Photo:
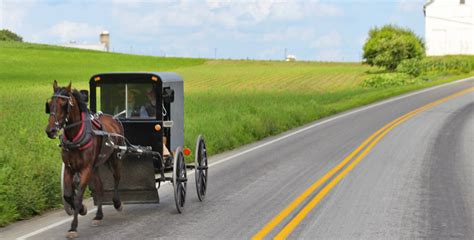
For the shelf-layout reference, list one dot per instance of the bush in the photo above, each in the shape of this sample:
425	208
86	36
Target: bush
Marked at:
7	35
452	65
410	66
388	80
437	65
388	46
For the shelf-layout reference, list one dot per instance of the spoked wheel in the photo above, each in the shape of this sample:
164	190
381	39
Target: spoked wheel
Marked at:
179	179
67	207
200	162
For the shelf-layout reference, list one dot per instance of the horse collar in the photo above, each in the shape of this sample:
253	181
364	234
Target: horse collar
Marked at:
83	138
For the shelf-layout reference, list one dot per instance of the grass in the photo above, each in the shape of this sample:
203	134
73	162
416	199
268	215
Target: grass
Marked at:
231	102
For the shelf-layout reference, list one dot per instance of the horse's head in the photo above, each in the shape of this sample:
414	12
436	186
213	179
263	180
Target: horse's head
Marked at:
58	108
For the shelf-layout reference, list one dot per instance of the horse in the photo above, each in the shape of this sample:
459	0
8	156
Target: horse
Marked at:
83	151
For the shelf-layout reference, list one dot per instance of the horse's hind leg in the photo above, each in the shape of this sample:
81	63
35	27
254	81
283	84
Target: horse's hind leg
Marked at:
116	169
95	185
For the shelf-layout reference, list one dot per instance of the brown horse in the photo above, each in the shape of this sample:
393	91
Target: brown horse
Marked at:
83	150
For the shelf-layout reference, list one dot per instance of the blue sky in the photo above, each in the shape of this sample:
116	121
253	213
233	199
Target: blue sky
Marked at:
314	30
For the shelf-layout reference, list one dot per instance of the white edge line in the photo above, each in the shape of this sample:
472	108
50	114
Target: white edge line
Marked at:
50	226
337	117
281	138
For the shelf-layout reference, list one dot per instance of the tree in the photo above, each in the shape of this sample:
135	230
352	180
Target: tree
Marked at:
7	35
388	46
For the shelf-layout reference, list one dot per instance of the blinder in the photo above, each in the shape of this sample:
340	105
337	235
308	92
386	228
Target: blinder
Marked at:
85	95
47	109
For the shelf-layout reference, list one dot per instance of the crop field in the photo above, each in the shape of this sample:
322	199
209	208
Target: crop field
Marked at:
231	102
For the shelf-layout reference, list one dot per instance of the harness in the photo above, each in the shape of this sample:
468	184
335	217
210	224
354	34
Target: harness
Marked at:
83	139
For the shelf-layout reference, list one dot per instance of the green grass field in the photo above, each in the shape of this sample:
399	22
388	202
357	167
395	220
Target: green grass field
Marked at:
231	102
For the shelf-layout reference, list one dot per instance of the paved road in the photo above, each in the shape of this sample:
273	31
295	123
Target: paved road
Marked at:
416	182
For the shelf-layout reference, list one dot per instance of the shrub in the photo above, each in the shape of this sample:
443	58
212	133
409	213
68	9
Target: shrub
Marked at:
437	65
453	65
388	46
388	80
410	66
7	35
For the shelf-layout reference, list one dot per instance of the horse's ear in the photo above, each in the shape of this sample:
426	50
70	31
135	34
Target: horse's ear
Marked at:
68	88
55	85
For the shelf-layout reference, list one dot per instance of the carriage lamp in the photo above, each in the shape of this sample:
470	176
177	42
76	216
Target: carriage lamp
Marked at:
97	79
157	127
154	78
186	151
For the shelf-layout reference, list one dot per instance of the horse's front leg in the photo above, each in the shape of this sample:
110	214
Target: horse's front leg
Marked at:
68	191
96	187
79	208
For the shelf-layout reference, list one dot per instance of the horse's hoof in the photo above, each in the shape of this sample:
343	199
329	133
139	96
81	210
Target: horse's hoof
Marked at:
84	210
72	234
96	223
118	206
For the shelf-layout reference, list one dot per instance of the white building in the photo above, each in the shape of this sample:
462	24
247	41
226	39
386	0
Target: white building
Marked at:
290	58
449	27
104	44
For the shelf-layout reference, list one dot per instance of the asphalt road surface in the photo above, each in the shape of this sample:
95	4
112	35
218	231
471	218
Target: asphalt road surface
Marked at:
413	179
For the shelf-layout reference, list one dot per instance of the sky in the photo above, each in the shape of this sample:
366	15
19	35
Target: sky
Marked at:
311	30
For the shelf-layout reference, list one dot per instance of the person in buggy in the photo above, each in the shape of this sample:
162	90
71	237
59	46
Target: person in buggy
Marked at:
149	109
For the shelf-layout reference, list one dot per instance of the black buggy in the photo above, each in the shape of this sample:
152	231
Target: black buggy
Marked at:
150	107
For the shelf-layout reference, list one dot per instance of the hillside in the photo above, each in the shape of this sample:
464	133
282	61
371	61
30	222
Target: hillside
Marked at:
231	102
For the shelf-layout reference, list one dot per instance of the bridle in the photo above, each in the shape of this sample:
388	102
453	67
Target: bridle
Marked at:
54	105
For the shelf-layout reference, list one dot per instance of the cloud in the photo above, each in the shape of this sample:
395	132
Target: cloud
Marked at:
270	53
13	13
324	9
332	39
330	55
361	39
224	14
408	6
183	26
73	31
289	33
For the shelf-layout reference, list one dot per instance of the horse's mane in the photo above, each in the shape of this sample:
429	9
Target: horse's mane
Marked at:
80	100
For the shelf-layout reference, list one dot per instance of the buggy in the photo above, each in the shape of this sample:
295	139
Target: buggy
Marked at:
150	106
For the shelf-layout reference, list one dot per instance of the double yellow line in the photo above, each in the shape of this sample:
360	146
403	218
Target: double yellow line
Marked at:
368	144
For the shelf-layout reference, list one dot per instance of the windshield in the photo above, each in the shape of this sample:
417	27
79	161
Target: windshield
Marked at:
127	100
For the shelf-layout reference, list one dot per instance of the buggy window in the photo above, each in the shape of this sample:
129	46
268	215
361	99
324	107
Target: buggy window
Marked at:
135	101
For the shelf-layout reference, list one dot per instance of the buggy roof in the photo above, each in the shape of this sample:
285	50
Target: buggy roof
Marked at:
136	77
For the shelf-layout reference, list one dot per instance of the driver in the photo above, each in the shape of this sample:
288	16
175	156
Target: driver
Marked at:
132	110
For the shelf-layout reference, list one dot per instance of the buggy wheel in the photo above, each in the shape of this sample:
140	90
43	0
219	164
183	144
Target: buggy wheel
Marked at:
179	179
200	163
67	207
